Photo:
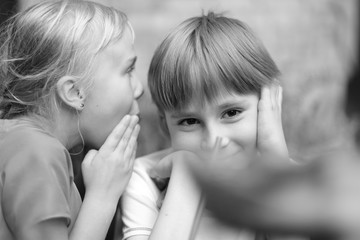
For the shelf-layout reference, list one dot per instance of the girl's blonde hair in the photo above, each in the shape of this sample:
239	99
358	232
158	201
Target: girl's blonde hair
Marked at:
46	42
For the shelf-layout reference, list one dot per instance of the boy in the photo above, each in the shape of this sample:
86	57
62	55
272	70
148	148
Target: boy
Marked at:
206	79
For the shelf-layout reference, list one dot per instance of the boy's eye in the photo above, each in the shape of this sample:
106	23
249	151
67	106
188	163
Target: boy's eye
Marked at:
232	113
189	122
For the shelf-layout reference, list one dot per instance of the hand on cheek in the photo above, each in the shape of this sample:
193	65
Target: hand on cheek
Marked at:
270	134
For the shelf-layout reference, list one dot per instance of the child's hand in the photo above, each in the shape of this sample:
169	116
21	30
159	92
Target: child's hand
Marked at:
161	172
271	139
107	171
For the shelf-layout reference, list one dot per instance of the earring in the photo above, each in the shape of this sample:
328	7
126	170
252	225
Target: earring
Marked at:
82	105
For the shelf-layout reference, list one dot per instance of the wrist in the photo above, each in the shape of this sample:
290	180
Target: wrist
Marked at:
181	166
94	218
101	199
181	174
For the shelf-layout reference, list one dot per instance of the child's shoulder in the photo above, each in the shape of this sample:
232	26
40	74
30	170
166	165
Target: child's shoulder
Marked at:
25	131
20	139
28	153
35	138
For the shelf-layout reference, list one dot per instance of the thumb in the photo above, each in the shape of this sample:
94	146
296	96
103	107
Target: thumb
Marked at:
89	157
161	172
162	169
279	98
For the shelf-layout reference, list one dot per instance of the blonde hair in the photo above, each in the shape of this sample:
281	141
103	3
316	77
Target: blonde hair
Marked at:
46	42
205	55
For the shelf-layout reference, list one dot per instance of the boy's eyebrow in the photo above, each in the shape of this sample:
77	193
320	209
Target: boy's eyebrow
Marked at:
182	114
242	103
225	105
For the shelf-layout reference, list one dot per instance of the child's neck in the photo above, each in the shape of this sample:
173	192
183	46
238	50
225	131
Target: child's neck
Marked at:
63	127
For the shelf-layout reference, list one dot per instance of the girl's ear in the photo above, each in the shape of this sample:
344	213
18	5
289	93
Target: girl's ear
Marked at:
70	93
163	125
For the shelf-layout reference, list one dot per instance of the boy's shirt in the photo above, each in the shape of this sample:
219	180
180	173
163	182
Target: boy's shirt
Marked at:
142	199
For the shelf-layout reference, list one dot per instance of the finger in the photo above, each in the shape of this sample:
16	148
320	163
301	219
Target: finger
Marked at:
113	139
124	141
276	96
129	150
274	91
266	92
133	156
280	98
162	169
265	98
89	157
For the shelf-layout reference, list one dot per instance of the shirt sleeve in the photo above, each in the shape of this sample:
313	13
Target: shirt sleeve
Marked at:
139	203
36	187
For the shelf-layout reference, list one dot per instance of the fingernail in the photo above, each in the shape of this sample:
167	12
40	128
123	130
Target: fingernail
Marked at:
224	141
137	128
153	174
134	118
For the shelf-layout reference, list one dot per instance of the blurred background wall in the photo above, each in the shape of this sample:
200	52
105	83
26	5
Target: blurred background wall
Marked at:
313	43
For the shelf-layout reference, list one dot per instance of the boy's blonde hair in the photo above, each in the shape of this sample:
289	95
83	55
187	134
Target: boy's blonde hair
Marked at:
204	56
46	42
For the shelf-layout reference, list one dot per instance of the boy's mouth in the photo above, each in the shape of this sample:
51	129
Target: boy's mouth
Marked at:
220	155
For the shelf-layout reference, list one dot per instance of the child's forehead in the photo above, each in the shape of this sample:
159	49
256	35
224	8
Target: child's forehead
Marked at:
223	98
118	50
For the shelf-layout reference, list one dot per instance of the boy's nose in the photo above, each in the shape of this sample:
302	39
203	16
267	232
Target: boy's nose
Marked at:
214	139
138	88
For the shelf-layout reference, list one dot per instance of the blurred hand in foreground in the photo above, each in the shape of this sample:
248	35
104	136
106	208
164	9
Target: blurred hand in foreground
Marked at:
321	198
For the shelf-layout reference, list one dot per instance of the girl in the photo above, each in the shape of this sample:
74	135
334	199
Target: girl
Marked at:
66	80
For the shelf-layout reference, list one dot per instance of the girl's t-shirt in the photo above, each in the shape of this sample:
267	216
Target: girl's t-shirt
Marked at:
36	180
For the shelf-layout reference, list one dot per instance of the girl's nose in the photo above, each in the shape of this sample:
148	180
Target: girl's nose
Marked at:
138	88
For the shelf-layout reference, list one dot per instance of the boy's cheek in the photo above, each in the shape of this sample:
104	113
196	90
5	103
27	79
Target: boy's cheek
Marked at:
245	136
181	141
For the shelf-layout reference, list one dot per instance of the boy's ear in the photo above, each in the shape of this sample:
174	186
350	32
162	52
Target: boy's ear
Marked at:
70	93
163	125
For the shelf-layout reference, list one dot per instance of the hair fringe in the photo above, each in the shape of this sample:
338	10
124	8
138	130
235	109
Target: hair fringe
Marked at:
205	56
